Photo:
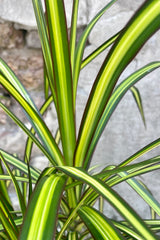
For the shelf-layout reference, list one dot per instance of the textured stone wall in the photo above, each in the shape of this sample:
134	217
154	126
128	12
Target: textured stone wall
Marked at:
125	134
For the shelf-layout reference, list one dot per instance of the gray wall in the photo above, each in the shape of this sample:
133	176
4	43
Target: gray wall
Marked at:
125	134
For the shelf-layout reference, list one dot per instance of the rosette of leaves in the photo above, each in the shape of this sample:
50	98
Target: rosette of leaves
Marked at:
61	205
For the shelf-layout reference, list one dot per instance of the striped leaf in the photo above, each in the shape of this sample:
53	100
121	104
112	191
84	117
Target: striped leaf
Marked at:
99	50
42	30
72	236
114	100
36	121
99	226
29	133
73	33
9	226
12	79
3	187
40	219
17	188
63	75
18	222
18	178
29	142
6	210
81	46
113	198
138	100
144	23
17	163
141	152
127	230
143	192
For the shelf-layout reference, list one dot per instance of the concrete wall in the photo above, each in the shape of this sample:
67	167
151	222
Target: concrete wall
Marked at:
125	134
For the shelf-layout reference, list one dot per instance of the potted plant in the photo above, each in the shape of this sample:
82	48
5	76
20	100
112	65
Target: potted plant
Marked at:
61	205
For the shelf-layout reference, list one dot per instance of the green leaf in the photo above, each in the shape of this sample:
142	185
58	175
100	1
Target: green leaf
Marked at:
3	187
81	45
73	31
42	30
144	23
116	180
137	97
5	215
127	230
141	152
18	222
35	119
14	81
100	227
29	142
143	192
113	198
17	163
18	178
72	236
30	134
114	100
17	188
63	75
40	220
11	229
46	83
99	50
106	173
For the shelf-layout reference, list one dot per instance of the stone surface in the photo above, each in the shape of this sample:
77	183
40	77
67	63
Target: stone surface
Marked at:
82	14
27	65
9	36
21	12
108	27
32	39
18	11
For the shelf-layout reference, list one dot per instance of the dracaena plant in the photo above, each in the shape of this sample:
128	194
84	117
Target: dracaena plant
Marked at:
61	205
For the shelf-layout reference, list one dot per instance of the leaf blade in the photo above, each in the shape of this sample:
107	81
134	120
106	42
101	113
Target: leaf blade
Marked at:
110	195
40	220
144	23
99	226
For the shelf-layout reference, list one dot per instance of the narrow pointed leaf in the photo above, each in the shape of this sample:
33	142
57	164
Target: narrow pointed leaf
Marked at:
146	20
29	133
63	75
40	220
29	142
99	226
127	230
81	45
137	97
42	30
129	168
14	81
143	192
73	31
11	229
17	163
7	209
114	100
99	50
18	191
36	121
72	236
3	187
141	152
114	199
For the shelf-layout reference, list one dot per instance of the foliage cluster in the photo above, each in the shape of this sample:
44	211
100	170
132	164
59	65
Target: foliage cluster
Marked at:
61	206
